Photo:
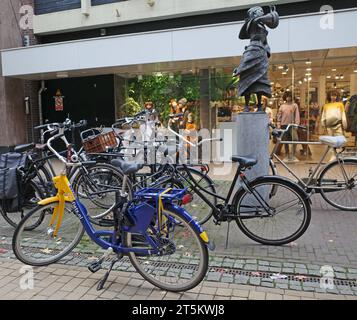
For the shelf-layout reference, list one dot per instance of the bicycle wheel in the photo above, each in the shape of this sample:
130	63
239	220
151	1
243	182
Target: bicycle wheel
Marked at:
43	179
89	187
339	184
31	194
38	247
184	263
201	211
287	216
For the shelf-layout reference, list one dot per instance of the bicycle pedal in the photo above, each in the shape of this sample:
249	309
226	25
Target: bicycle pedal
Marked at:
94	267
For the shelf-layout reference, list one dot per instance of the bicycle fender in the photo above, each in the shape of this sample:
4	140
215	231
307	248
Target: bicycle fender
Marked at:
191	221
278	178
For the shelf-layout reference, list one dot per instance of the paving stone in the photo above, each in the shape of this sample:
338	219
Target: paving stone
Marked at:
214	276
288	265
241	279
276	264
273	296
240	293
263	268
255	281
263	263
250	267
228	278
255	295
267	284
282	285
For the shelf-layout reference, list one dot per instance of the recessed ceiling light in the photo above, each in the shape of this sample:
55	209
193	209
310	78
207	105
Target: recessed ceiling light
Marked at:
308	74
308	62
281	67
310	79
337	77
355	71
328	77
333	70
284	73
308	69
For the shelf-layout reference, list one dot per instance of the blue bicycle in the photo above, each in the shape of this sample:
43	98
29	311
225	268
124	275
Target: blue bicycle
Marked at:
163	242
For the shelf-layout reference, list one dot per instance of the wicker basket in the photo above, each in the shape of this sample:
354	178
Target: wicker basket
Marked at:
100	143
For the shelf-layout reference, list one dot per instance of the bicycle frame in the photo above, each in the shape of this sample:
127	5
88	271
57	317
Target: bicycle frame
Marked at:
66	194
309	184
239	174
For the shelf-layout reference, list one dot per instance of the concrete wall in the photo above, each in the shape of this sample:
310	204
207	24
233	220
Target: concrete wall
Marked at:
12	115
133	11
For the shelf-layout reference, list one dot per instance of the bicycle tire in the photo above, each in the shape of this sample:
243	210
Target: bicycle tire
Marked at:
275	186
92	202
330	196
30	246
154	266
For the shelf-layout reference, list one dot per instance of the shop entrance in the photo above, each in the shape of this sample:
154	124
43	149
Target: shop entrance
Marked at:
90	98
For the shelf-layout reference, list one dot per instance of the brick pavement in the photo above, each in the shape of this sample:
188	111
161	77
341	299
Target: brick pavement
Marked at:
57	282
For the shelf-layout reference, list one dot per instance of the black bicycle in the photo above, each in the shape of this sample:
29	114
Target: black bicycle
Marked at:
271	210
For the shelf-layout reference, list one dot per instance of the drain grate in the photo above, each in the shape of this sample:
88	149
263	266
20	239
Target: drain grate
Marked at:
303	278
293	277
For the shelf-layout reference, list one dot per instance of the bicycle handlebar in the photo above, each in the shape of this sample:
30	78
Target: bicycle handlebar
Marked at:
282	131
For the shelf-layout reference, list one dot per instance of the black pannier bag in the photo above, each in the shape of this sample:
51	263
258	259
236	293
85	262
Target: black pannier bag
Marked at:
10	186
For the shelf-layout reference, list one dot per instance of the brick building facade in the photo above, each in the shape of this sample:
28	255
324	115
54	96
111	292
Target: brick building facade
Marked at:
16	120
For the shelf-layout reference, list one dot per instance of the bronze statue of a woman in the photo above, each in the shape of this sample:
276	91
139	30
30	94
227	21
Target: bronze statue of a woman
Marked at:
254	65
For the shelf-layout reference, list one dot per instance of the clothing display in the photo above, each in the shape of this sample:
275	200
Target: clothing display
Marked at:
334	118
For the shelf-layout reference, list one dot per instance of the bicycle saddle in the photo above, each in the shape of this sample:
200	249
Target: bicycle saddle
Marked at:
335	142
246	161
126	166
24	147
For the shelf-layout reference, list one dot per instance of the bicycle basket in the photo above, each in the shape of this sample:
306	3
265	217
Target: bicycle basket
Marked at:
100	142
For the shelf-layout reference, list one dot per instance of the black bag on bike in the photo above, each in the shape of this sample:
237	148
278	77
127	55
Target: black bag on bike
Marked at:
10	186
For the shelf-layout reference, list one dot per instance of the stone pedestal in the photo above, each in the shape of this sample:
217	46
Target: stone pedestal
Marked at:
253	139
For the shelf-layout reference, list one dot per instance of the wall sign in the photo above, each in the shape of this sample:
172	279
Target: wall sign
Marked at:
58	100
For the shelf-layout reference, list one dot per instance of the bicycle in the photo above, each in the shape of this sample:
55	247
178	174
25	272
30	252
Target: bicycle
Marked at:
270	210
162	173
336	181
151	229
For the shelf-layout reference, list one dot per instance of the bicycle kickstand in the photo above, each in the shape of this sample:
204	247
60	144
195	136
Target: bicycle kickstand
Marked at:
101	283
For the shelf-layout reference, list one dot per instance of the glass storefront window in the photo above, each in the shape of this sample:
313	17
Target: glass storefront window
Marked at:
212	95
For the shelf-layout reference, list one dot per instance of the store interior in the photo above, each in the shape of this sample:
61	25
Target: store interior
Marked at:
308	75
